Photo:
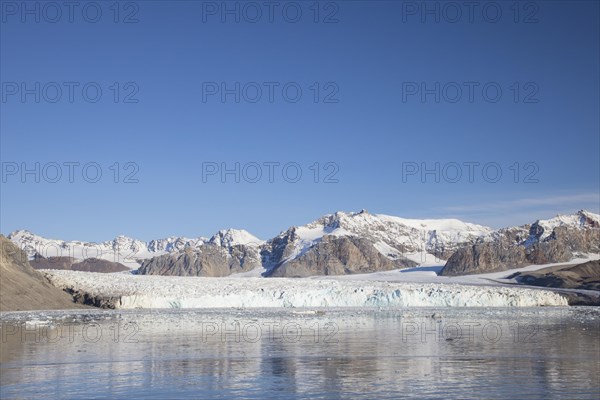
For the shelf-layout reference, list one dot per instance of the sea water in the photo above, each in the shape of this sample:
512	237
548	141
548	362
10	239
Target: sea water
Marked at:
297	353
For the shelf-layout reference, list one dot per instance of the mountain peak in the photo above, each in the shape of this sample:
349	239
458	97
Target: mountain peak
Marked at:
581	218
20	233
589	217
232	237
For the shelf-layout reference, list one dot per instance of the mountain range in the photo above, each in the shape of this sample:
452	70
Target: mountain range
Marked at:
341	243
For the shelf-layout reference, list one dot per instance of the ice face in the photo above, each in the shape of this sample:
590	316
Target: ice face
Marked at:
130	291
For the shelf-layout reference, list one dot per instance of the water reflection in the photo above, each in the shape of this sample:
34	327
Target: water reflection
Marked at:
497	353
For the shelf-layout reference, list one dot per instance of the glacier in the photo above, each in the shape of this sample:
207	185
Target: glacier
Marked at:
125	291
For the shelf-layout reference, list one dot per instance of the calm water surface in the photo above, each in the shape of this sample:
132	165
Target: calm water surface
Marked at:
425	353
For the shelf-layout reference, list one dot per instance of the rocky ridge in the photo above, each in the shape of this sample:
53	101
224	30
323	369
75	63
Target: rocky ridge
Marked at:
558	239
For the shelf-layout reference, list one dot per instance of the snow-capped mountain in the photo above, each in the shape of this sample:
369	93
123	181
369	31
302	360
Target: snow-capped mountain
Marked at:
122	249
557	239
173	243
343	243
227	252
542	229
128	251
361	242
233	237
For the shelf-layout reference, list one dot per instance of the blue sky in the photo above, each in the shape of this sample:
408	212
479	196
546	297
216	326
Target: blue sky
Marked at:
371	61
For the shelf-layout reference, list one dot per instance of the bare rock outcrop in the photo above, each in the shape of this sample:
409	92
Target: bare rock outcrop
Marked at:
581	276
337	256
73	264
209	260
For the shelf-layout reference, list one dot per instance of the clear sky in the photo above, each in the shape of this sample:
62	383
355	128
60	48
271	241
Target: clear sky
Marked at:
388	89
